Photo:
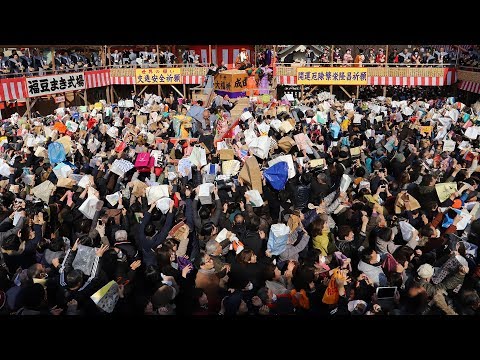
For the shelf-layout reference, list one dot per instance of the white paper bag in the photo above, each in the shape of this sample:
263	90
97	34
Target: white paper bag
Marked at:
156	192
348	106
260	146
112	132
84	181
264	128
198	157
448	145
345	183
357	118
163	204
4	169
406	229
204	193
62	170
471	132
255	198
89	206
249	135
246	115
275	123
407	111
121	166
113	198
230	167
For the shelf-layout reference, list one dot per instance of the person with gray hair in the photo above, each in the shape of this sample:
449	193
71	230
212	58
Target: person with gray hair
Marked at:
217	252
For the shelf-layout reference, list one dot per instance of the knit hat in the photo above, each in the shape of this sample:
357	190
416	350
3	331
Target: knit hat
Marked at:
425	271
121	235
232	303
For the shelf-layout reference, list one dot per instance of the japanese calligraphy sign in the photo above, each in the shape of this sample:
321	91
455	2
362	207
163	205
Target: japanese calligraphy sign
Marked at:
231	81
158	76
53	84
331	76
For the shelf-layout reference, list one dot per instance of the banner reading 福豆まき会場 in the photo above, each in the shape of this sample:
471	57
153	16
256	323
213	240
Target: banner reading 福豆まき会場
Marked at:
331	76
53	84
158	76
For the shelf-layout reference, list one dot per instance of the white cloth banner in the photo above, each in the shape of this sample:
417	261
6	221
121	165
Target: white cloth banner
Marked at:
53	84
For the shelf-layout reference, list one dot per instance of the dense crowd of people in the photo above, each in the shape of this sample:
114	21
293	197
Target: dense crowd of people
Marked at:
312	207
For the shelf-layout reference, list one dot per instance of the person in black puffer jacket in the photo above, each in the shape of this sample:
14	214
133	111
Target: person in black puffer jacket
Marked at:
302	191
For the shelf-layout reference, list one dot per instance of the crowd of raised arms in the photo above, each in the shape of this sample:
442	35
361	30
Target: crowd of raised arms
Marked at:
318	207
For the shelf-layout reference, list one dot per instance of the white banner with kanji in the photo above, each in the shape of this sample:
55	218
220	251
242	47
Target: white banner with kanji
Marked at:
53	84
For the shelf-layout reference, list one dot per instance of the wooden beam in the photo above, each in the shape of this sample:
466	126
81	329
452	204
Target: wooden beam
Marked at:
112	97
185	91
346	92
29	113
158	59
358	91
144	88
308	93
113	89
178	92
85	97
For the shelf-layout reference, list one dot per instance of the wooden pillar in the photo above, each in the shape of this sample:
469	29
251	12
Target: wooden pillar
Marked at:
107	55
386	65
53	60
85	97
107	92
331	64
358	92
301	93
386	56
158	59
29	112
184	91
112	97
209	54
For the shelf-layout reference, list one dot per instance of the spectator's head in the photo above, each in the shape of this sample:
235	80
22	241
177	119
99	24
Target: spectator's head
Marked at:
213	247
11	242
247	256
239	219
253	224
345	232
234	304
425	272
208	229
37	271
33	297
204	213
163	296
74	279
205	262
271	272
303	278
322	178
370	256
386	234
